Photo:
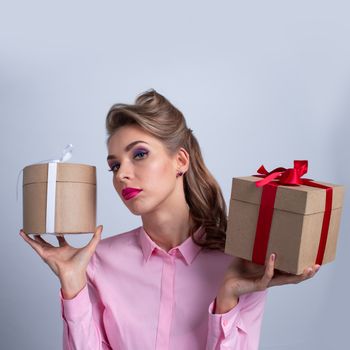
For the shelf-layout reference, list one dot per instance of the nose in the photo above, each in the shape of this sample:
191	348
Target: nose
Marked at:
124	172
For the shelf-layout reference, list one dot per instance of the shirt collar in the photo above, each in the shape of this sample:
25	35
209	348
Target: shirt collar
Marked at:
188	248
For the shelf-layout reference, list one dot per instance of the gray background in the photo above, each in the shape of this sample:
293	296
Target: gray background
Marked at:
258	81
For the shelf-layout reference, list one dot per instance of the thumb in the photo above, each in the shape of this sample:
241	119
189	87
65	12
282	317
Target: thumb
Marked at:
95	240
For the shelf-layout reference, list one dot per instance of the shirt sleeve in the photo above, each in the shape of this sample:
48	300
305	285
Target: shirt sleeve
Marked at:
83	327
239	328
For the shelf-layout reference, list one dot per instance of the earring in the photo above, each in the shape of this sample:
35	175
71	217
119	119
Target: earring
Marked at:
179	173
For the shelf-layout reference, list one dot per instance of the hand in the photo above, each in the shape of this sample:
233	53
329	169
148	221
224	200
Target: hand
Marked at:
67	262
244	276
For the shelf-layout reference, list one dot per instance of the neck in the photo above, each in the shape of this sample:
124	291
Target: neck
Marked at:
168	230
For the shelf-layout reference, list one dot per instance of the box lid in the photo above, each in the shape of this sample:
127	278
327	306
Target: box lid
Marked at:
298	199
66	172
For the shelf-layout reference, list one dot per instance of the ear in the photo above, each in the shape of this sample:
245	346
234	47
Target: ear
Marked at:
182	160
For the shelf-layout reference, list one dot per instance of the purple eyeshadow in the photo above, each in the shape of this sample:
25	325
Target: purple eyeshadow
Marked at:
136	151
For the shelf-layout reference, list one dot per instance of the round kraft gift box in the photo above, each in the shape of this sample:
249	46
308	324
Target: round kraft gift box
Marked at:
59	198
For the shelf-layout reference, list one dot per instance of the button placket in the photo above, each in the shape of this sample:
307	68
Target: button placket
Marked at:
166	302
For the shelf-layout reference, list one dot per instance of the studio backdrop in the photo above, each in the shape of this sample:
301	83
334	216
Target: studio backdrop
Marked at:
259	82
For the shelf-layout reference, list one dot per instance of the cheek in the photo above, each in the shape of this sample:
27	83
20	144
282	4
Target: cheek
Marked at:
115	184
157	175
157	179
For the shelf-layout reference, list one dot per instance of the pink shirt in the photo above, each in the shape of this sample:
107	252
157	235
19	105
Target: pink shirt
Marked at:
139	296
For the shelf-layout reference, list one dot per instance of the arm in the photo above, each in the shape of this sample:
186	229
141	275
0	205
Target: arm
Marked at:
82	309
241	300
82	316
239	327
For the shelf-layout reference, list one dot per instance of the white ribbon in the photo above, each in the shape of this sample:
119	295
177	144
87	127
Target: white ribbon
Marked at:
51	197
51	186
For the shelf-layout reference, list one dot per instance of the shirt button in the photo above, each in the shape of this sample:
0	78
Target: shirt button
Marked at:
224	322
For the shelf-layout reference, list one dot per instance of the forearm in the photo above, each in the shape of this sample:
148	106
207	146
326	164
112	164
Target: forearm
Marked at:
224	301
80	330
71	285
236	324
221	306
222	326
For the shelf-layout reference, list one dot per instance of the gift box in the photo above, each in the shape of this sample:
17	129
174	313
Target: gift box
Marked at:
280	212
59	198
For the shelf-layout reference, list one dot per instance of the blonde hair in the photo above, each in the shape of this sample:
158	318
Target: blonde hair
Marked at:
156	115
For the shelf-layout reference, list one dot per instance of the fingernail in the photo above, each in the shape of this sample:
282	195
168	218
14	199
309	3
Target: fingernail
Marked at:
273	256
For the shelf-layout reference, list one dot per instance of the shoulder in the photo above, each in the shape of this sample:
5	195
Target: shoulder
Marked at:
113	252
119	241
116	248
214	262
218	256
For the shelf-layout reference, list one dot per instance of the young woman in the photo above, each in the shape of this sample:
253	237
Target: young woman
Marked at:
167	284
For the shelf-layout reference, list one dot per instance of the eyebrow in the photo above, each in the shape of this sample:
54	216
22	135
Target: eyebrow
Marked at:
127	148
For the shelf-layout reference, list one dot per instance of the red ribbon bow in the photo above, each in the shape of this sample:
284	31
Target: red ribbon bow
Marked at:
290	177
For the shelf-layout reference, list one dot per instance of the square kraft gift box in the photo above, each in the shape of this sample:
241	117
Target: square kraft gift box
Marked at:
298	223
59	198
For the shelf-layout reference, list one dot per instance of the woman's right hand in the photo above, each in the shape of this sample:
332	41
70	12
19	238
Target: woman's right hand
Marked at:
67	262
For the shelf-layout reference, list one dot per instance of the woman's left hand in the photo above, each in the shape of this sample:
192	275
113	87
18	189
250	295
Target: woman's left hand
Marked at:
244	276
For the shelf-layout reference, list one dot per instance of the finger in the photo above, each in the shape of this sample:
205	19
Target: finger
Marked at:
34	244
269	272
295	279
39	239
311	271
307	273
95	239
61	241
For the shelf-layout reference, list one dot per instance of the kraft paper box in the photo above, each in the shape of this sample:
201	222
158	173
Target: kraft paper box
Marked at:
59	198
296	225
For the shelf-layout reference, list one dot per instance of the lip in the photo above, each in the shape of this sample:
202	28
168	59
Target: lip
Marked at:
129	192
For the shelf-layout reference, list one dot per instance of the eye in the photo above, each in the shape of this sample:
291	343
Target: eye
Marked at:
114	167
139	154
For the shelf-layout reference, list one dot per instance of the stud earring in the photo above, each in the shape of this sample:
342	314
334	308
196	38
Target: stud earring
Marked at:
179	173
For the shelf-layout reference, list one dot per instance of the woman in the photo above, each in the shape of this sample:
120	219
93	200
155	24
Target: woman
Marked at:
166	284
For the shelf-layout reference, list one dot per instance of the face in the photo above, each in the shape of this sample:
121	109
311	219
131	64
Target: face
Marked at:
144	174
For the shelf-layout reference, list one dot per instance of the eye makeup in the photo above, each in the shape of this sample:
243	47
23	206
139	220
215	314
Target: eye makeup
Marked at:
139	151
112	166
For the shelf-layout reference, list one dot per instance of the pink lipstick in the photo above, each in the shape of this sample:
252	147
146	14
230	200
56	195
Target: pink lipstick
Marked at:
129	192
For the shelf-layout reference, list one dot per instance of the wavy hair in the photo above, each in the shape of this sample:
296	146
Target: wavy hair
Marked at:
156	115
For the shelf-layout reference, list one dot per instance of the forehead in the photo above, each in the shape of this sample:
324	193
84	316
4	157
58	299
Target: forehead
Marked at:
125	135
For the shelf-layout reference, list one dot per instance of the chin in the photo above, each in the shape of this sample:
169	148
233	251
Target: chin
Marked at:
135	211
141	208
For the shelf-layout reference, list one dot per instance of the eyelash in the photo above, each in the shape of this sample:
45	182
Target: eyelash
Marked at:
136	154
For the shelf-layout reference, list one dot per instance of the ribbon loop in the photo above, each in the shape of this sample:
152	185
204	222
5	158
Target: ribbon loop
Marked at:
66	155
291	176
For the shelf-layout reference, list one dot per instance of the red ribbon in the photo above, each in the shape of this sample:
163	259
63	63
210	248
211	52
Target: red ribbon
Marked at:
270	182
